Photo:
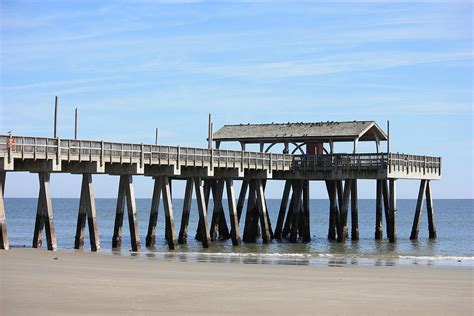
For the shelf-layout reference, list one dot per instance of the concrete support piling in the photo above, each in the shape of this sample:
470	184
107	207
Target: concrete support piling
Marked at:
126	195
430	211
202	207
168	206
87	210
3	222
378	211
344	207
44	215
419	206
188	195
262	210
354	211
234	221
393	210
150	239
283	208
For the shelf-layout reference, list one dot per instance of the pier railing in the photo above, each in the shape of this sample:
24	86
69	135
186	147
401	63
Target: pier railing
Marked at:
390	162
22	147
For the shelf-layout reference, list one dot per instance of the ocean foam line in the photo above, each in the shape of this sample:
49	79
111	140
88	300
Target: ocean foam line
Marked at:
314	255
471	258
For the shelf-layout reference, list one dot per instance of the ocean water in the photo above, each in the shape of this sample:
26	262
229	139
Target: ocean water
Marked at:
454	245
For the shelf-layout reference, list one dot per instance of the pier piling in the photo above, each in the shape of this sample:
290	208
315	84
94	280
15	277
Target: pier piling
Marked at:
87	210
3	222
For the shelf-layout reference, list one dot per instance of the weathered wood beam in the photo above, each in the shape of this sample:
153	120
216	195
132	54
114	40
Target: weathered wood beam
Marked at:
419	206
234	221
283	207
378	211
354	211
262	209
200	199
342	229
168	206
430	211
150	239
188	195
3	222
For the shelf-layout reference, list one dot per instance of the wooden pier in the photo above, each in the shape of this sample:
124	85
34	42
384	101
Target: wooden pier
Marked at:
212	171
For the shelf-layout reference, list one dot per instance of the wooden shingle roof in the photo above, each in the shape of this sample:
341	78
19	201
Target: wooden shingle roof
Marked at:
301	132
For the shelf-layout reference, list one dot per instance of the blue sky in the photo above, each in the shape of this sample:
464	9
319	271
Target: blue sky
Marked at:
131	66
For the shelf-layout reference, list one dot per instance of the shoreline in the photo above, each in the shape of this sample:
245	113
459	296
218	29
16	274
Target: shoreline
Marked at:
289	258
75	282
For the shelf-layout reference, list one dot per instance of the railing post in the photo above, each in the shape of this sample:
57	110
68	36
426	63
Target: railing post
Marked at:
424	165
102	154
212	159
178	158
142	156
58	153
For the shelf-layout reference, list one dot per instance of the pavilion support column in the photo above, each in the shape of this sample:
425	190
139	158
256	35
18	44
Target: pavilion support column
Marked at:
202	207
333	211
419	206
306	233
283	207
126	194
393	210
296	214
386	206
218	191
44	215
430	211
155	205
354	211
87	211
342	229
262	209
3	222
188	195
234	221
168	206
242	195
378	211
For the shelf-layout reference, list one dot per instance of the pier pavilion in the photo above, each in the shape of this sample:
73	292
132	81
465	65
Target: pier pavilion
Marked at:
308	155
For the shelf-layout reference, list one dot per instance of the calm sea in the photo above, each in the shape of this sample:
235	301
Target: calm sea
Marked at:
454	245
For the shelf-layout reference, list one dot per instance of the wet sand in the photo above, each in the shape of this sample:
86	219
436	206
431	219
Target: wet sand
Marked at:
64	282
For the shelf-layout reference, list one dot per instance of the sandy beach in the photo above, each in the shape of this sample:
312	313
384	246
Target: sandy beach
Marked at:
63	282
